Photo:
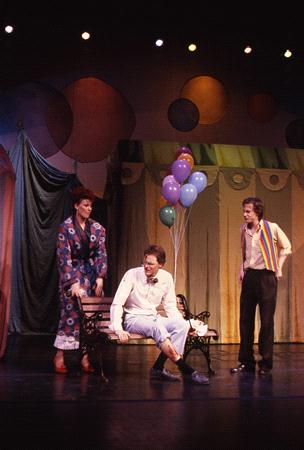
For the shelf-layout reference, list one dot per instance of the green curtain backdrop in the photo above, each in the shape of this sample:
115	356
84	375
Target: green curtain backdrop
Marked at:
42	200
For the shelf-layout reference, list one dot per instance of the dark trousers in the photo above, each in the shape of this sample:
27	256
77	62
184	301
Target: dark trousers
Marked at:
259	287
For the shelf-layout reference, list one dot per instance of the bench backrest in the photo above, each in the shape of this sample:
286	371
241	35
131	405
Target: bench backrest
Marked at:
96	309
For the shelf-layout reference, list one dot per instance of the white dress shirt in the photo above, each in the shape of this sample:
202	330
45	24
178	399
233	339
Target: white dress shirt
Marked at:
136	296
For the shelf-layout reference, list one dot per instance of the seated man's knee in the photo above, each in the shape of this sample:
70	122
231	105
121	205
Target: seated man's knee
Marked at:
159	334
183	325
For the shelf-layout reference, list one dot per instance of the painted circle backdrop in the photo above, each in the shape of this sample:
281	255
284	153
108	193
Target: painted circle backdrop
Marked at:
183	114
294	134
42	110
261	107
102	117
210	97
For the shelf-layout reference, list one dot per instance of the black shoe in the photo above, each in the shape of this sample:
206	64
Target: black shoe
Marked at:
163	374
264	371
242	368
196	378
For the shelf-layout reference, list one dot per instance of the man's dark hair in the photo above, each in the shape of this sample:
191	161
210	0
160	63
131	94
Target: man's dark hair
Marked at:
258	205
157	251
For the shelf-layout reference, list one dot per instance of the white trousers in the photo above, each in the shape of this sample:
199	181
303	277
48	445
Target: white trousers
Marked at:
159	328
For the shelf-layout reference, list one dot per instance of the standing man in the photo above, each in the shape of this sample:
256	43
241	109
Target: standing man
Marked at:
265	248
133	310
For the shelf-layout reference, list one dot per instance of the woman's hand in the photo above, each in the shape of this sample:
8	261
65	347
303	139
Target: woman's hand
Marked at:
76	290
99	286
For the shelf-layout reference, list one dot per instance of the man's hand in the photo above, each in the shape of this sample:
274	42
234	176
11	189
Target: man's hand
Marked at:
123	336
281	261
241	273
192	332
279	274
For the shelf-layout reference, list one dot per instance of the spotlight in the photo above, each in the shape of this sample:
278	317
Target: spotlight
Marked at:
159	43
85	35
287	53
9	29
247	49
192	47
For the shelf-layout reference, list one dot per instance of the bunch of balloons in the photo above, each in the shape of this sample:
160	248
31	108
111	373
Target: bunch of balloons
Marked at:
174	192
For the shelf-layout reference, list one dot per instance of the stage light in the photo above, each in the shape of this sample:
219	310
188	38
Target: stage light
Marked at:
85	35
9	29
192	47
159	43
247	49
287	53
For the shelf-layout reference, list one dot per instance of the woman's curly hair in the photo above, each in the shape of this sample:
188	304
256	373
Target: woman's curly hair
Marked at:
81	193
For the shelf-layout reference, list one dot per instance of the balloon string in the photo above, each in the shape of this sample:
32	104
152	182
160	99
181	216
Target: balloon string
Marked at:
182	228
186	214
179	230
177	234
173	239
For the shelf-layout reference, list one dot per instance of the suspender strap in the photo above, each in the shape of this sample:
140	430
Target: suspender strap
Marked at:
267	247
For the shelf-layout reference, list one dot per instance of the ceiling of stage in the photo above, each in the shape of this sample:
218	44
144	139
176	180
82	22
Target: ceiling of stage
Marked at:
48	35
54	26
128	18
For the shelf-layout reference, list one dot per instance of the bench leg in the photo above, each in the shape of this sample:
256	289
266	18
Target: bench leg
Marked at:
204	346
103	378
95	358
206	353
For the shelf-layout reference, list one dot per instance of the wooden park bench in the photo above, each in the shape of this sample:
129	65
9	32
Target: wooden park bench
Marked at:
95	319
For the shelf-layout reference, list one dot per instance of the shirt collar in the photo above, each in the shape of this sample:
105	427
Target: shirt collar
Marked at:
249	230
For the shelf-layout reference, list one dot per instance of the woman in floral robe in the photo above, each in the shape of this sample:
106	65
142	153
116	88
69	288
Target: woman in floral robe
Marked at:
82	264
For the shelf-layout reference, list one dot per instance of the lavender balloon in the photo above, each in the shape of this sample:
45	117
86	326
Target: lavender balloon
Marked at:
180	169
171	191
188	194
199	180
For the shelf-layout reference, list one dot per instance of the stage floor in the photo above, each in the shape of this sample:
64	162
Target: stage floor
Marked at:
42	410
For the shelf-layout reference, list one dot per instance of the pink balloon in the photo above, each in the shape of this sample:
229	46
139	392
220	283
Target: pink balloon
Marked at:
168	178
180	169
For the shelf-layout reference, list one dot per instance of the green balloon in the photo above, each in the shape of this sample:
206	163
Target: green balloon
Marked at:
167	215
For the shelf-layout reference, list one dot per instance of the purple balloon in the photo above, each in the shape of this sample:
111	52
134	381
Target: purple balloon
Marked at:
188	194
181	150
180	169
168	178
171	192
199	180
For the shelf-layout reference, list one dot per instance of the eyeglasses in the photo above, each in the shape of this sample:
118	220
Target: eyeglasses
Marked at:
150	264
